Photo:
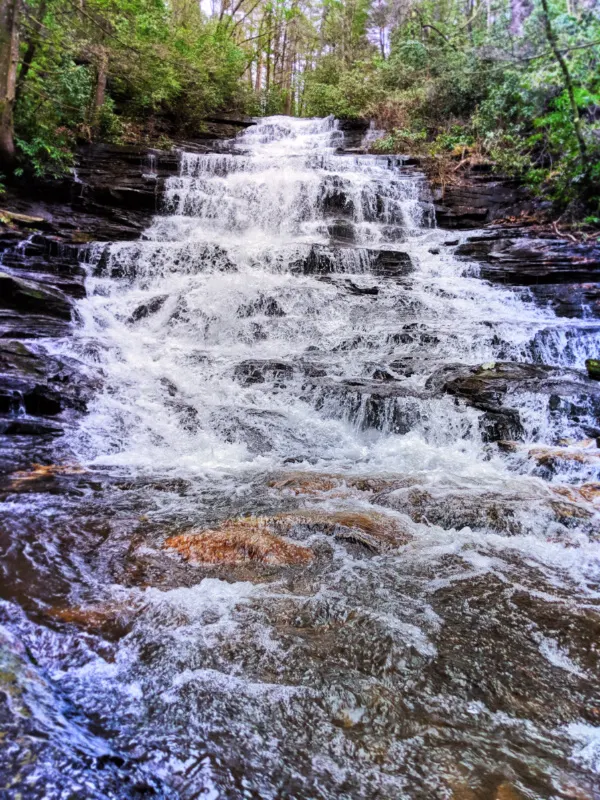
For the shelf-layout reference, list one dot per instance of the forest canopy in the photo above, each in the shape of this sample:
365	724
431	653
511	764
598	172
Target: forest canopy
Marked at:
515	81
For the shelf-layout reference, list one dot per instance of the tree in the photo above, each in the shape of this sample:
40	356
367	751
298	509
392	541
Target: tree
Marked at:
9	61
564	68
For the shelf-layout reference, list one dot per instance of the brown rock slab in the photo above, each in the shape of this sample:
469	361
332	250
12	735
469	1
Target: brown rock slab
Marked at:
237	542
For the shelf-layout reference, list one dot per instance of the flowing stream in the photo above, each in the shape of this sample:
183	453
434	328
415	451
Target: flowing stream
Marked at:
384	602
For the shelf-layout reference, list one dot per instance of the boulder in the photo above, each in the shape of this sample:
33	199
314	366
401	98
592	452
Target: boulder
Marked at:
32	297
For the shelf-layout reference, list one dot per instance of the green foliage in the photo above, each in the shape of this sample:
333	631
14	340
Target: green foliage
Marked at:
157	67
441	78
343	93
473	89
401	140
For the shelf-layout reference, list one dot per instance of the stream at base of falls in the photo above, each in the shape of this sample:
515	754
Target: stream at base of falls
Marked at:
329	527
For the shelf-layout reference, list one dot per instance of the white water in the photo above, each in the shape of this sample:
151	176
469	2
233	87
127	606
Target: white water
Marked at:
226	256
457	662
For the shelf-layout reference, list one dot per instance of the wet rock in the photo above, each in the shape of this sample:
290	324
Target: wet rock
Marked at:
110	620
479	198
586	493
374	531
237	542
488	387
593	368
391	264
146	309
257	371
263	305
42	401
41	473
383	405
361	290
10	426
31	297
529	261
315	484
515	512
505	424
335	198
341	230
551	459
332	260
300	483
40	385
569	299
354	131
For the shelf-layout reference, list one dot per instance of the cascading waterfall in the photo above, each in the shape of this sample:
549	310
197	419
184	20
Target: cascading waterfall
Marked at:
269	348
231	275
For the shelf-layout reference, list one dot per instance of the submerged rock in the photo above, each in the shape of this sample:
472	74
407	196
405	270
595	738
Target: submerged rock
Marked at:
43	472
239	541
259	539
111	619
551	459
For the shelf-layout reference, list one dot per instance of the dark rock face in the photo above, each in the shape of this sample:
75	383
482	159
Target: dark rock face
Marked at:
559	274
149	308
27	296
354	131
479	199
526	261
115	189
335	198
489	388
40	277
39	395
329	260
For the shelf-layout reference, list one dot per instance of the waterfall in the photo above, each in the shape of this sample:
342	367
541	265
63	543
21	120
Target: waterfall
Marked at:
273	252
295	554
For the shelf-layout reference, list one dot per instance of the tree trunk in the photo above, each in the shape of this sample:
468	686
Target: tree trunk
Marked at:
268	50
9	60
568	81
101	79
32	47
258	82
519	11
